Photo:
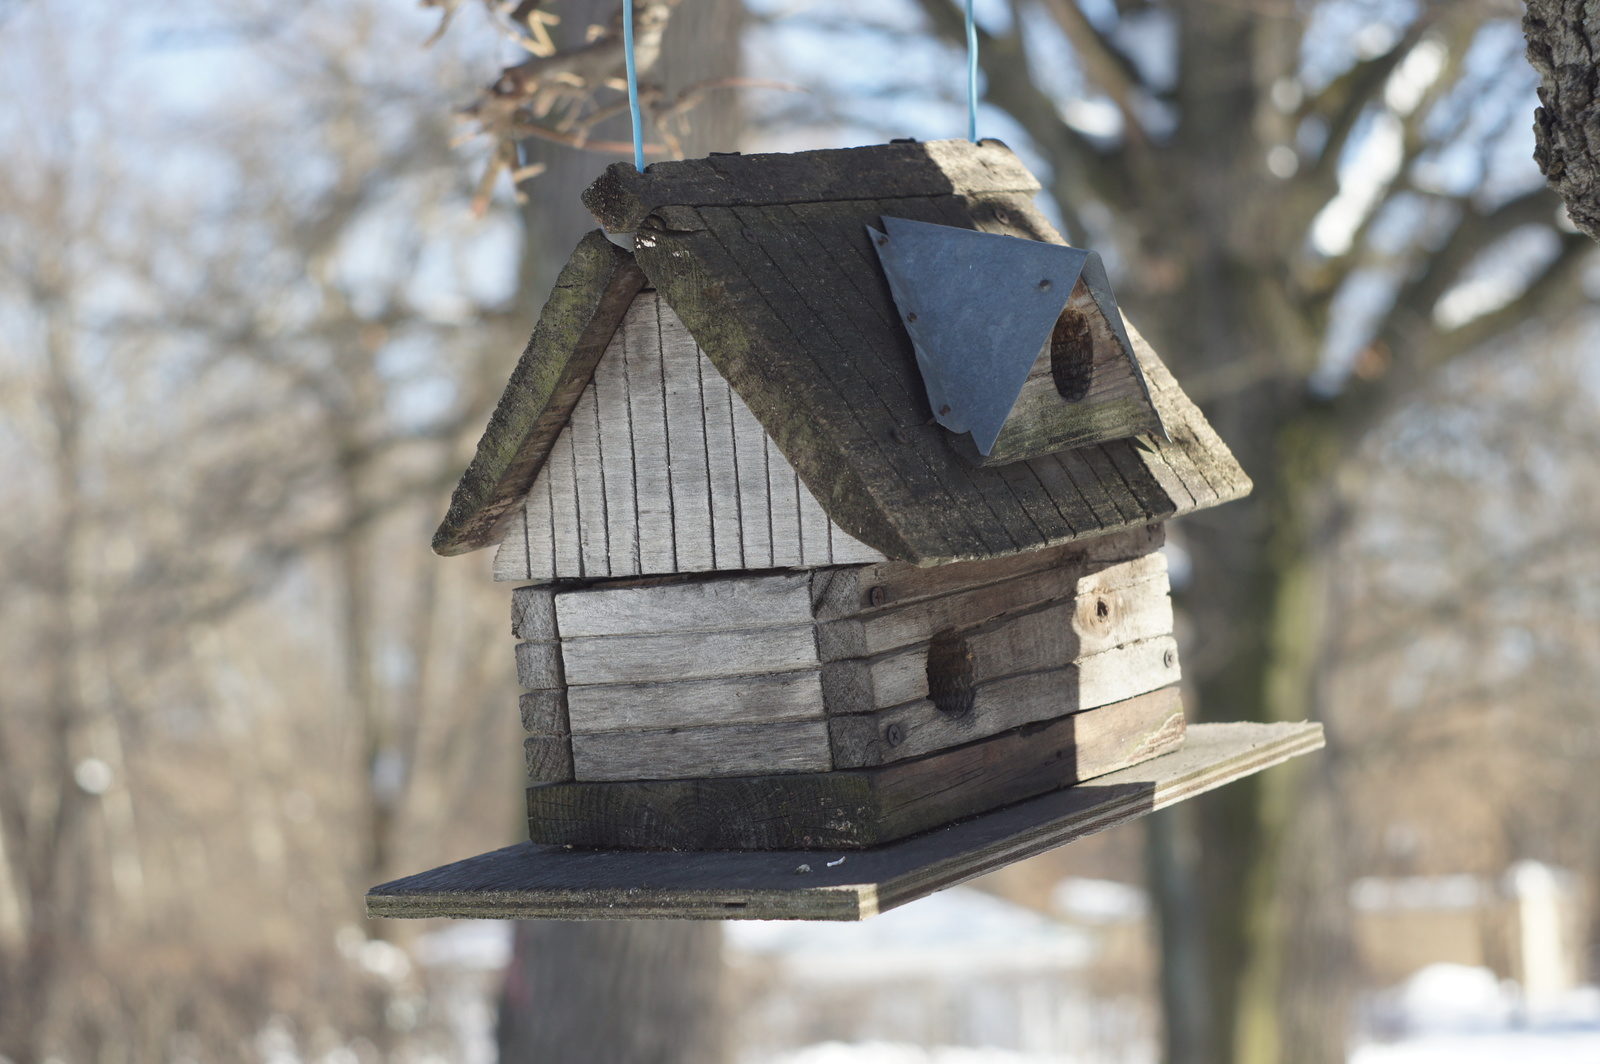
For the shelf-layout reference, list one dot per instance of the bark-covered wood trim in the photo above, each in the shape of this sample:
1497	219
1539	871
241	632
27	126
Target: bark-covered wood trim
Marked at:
1564	47
592	293
623	197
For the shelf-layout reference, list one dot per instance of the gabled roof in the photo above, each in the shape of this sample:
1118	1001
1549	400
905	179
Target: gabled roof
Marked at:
767	261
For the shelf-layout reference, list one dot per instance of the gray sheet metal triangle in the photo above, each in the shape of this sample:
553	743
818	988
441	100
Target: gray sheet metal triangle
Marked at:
979	308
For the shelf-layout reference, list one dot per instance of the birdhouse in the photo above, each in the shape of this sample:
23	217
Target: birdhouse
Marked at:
832	485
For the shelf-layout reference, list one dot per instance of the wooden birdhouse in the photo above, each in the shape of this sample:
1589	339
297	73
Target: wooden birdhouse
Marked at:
833	484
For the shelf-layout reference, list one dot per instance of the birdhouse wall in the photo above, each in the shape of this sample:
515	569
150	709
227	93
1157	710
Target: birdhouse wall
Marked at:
663	468
833	668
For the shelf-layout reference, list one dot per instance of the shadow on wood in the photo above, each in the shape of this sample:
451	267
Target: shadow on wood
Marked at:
529	881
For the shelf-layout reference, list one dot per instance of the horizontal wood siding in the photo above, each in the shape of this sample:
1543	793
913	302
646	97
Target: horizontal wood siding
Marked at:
663	469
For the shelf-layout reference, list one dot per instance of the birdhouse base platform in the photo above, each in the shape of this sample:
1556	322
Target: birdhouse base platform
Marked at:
531	882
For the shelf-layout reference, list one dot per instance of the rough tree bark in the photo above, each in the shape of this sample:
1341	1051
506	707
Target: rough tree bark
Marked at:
636	992
1564	47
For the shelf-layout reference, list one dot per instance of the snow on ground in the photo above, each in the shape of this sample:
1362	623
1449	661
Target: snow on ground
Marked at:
1454	1014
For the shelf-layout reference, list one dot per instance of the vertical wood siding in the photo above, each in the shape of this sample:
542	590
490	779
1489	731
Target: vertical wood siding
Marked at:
664	469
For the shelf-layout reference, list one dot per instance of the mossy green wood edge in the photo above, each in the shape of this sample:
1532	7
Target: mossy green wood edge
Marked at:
590	297
542	882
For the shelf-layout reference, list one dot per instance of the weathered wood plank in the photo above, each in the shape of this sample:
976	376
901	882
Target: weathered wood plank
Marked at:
917	728
614	470
755	506
564	514
544	712
539	882
724	750
816	542
511	557
623	197
715	604
549	758
892	585
687	447
539	666
533	613
888	629
861	807
696	703
687	655
1045	637
783	506
722	469
589	475
647	408
539	529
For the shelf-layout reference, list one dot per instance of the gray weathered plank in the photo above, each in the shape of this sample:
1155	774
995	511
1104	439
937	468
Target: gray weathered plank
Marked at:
614	470
724	750
511	557
862	807
560	472
533	613
539	666
687	451
544	712
529	881
549	758
718	604
696	703
755	508
589	474
647	407
687	655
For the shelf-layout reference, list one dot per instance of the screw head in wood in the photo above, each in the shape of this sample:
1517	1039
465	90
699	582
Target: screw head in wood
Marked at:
1044	284
899	435
912	316
1001	216
883	241
1169	659
749	234
945	409
877	596
894	735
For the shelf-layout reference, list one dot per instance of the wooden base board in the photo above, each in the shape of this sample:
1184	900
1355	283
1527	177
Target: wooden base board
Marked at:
857	808
532	882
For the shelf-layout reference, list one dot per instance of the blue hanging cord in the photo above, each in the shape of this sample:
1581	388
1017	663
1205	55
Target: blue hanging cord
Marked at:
972	76
633	83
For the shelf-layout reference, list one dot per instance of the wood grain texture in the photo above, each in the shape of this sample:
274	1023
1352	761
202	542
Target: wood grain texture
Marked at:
544	712
717	604
864	807
663	469
533	613
539	666
696	703
672	656
724	750
591	294
529	881
916	728
549	758
623	197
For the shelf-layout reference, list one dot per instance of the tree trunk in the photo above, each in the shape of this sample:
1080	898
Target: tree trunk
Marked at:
646	992
624	992
1564	47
